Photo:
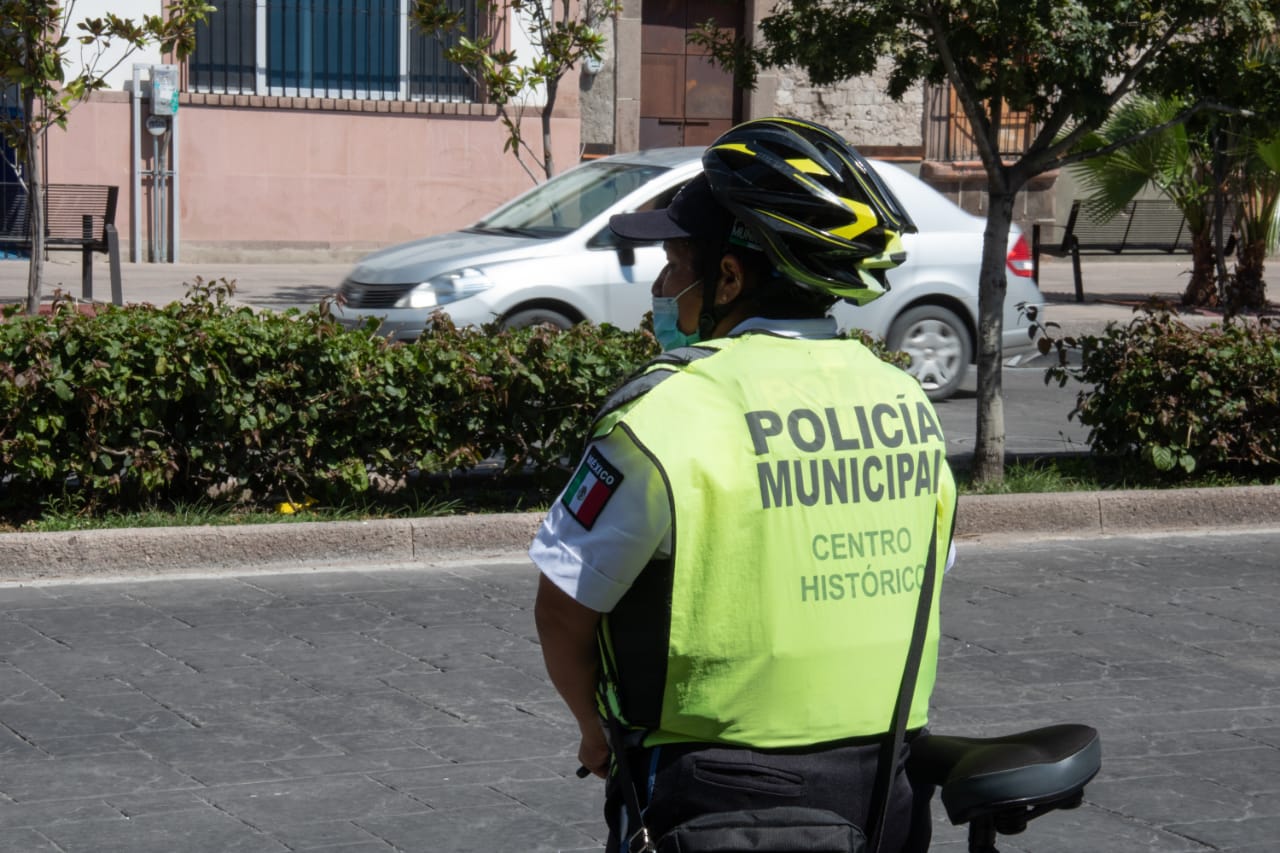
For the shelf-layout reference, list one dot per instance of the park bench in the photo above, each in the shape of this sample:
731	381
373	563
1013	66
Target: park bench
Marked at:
1145	226
78	217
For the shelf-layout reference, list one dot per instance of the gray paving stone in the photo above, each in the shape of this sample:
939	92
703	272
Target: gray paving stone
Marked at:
386	709
212	775
1168	799
1255	833
16	636
227	745
18	687
162	833
71	625
374	711
478	830
533	738
26	841
317	833
496	773
313	621
92	776
133	712
467	645
475	695
1248	771
297	801
81	746
360	666
370	763
577	801
19	815
92	667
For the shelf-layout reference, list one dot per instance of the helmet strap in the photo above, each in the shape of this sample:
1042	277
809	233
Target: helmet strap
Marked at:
707	318
712	314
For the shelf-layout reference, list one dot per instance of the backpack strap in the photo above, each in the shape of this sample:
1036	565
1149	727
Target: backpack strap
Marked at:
878	813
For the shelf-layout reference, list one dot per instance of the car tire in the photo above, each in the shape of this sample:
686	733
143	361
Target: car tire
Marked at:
536	317
939	345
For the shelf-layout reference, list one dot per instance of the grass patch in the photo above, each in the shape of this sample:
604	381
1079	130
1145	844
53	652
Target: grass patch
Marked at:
430	498
1091	474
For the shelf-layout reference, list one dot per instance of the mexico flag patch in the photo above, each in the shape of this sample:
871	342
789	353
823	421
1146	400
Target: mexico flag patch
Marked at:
592	486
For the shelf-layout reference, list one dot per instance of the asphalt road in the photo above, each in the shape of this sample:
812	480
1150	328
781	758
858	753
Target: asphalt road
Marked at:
378	709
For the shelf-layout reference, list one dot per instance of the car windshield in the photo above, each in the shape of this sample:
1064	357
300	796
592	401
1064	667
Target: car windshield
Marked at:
568	201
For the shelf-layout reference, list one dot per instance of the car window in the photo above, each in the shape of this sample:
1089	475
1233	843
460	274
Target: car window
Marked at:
570	200
605	238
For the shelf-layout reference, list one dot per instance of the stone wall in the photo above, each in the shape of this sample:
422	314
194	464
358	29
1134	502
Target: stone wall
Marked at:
858	109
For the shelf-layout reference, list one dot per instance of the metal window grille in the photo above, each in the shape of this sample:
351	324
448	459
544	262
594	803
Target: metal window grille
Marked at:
324	48
431	76
949	135
224	59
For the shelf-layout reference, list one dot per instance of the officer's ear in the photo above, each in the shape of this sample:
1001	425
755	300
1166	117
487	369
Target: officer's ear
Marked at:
732	280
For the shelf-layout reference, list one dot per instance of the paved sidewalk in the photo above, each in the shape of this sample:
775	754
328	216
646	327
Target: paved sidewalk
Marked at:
378	709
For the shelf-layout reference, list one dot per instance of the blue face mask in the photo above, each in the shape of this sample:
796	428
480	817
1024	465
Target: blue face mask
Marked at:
666	321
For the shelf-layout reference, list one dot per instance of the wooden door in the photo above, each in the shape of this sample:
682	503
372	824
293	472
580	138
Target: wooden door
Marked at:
684	98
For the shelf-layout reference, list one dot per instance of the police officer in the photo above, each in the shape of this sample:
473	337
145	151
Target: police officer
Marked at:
733	567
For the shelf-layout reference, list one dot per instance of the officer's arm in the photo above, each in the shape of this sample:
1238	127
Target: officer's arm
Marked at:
567	631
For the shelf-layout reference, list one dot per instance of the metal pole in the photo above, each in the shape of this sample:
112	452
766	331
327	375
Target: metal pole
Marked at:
176	209
151	206
136	166
162	213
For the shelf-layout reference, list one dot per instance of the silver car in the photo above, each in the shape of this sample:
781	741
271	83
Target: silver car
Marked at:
548	256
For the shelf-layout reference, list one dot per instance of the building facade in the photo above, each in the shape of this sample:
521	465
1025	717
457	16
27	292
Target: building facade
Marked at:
325	130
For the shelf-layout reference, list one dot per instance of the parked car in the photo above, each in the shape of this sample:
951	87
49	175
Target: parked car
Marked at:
548	256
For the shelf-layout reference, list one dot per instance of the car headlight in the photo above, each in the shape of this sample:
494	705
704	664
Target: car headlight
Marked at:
446	288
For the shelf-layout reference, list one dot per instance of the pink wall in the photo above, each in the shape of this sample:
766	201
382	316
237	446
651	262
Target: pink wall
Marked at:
262	176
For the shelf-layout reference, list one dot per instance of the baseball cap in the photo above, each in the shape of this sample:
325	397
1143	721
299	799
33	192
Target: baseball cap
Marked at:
693	214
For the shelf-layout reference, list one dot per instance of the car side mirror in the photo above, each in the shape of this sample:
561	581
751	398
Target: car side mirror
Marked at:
626	254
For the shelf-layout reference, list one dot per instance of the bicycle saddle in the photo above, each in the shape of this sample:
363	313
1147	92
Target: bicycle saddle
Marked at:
1045	768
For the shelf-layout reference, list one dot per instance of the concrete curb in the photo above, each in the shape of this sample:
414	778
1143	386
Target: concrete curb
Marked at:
1118	512
153	551
427	541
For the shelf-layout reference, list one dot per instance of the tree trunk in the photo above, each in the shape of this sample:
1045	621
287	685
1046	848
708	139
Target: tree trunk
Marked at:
1249	290
548	162
1202	290
35	208
988	452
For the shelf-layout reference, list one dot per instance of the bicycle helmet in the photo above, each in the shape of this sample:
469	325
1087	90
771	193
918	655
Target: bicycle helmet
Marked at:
825	218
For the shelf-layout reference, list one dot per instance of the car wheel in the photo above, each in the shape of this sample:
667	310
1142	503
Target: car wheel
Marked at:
938	343
536	317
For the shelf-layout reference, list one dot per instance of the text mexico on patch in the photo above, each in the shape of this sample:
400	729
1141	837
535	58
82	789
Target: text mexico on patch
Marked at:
591	487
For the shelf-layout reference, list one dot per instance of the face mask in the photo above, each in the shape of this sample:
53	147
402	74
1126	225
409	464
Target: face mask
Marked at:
666	321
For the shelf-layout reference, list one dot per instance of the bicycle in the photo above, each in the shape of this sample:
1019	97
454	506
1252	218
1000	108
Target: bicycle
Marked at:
997	785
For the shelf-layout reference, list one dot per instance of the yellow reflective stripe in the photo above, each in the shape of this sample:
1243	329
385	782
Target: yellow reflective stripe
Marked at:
733	146
864	220
807	166
800	226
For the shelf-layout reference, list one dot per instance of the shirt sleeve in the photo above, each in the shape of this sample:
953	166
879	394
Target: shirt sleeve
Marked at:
592	551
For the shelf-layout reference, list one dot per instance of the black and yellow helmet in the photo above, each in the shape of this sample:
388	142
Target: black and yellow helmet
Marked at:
824	217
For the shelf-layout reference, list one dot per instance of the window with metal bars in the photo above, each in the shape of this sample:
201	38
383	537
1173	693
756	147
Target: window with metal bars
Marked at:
365	49
949	135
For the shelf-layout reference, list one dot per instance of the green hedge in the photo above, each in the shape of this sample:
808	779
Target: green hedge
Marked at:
198	398
204	400
1181	399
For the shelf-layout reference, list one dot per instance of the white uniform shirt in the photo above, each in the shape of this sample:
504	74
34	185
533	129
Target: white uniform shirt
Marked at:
596	565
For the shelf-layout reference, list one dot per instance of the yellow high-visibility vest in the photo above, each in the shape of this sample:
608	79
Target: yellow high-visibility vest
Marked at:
805	478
